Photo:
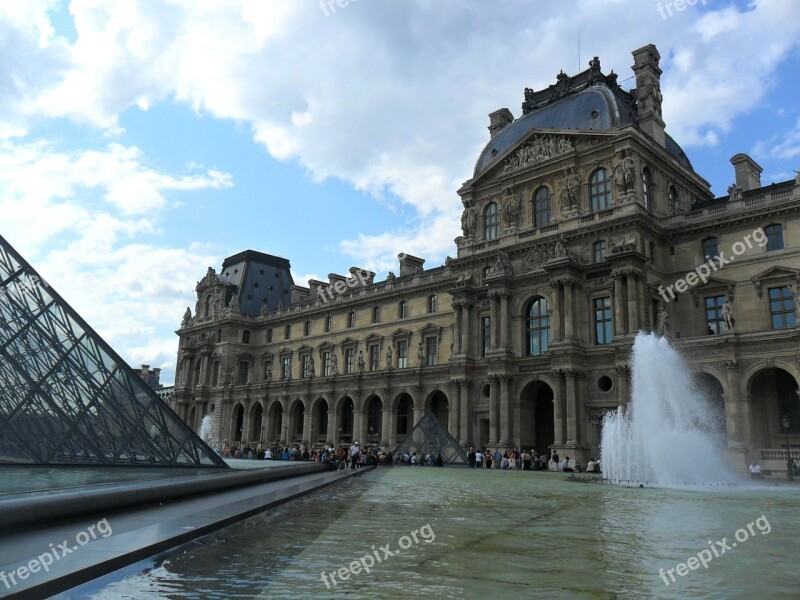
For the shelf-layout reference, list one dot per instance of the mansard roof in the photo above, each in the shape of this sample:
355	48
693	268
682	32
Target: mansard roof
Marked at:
588	101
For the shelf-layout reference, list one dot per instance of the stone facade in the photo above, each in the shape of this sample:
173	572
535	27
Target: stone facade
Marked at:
580	215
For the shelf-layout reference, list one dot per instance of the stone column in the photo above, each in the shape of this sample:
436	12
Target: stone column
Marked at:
633	303
569	322
504	320
619	299
494	412
466	413
494	312
204	368
358	422
559	410
457	327
455	408
285	434
465	327
419	407
733	408
623	393
573	433
387	422
307	414
505	411
556	322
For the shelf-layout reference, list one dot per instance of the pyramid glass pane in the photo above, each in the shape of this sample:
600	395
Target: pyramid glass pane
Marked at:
428	436
66	397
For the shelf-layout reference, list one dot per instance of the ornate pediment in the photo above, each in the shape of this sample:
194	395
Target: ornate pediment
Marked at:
775	274
541	148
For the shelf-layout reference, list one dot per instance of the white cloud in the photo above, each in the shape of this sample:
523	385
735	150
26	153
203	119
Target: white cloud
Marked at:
785	147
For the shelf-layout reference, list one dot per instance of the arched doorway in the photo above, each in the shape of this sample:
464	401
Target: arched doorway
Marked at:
774	395
440	407
713	395
275	422
405	414
346	429
536	427
256	420
238	427
319	421
298	414
374	420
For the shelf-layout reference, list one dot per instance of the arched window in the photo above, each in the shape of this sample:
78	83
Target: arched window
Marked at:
710	248
674	202
647	188
537	327
542	207
600	189
207	312
246	336
599	251
774	236
491	222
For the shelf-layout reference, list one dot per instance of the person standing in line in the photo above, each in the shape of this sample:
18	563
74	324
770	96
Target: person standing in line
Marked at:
471	458
478	459
555	461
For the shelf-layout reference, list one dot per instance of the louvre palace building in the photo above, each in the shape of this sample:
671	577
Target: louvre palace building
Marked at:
583	224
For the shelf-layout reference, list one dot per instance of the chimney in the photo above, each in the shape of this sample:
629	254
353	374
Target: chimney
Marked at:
499	119
315	287
648	92
748	172
409	264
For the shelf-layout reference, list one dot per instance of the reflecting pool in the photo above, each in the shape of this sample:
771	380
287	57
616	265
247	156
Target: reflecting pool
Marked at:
498	534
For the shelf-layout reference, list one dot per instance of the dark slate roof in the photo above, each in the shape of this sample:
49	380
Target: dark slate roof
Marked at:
260	279
587	101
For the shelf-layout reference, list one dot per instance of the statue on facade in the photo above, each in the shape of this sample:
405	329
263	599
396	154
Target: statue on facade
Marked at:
734	192
390	276
510	208
187	317
568	194
334	364
797	177
360	362
535	258
502	263
312	370
421	353
560	249
662	323
268	374
234	303
264	310
727	313
469	220
625	174
389	358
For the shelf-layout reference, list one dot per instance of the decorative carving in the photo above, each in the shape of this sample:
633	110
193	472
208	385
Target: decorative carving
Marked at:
510	208
334	364
421	353
539	149
662	323
624	243
503	263
187	318
233	305
389	358
536	257
734	192
731	365
390	276
469	220
312	371
568	194
625	176
727	313
360	361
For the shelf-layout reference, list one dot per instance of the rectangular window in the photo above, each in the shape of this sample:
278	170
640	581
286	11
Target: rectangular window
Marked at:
269	335
306	327
602	320
328	323
244	372
433	303
402	354
326	364
714	320
215	374
376	314
286	367
402	311
287	333
781	307
267	370
374	357
349	354
305	366
486	334
246	336
431	351
351	319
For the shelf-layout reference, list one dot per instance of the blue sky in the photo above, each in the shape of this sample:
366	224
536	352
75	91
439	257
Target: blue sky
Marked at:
143	141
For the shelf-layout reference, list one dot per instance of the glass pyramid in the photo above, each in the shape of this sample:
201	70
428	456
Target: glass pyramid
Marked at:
429	437
66	397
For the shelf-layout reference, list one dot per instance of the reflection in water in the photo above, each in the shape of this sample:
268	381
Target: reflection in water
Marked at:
498	535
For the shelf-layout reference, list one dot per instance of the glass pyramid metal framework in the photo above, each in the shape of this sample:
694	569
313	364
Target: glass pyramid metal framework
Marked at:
429	437
66	397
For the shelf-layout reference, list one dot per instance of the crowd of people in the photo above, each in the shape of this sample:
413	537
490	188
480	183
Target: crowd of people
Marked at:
353	456
527	460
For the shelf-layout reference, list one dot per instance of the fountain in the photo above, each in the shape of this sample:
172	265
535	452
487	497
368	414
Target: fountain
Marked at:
205	430
669	436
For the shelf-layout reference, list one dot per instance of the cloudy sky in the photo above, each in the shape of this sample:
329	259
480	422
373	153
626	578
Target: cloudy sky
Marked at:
143	141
